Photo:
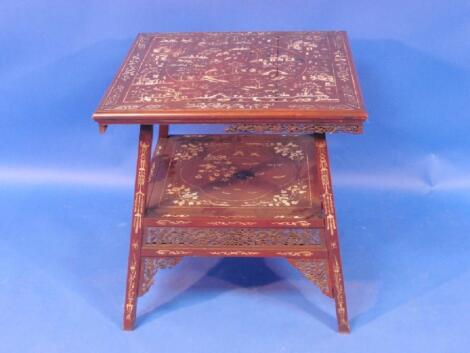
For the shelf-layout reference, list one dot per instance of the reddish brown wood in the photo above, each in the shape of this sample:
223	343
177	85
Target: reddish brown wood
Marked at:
248	251
140	193
226	180
235	77
156	221
226	195
331	232
236	195
163	131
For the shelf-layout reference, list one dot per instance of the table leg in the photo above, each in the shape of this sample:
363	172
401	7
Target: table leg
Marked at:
163	131
331	232
140	193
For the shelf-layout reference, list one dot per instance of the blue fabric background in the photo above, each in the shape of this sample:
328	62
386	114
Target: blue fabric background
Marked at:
402	188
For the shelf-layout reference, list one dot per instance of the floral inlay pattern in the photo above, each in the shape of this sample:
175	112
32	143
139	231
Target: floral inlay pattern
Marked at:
184	196
216	167
202	173
188	151
287	197
290	150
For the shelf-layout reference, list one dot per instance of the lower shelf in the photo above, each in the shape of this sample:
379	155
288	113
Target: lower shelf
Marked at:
234	181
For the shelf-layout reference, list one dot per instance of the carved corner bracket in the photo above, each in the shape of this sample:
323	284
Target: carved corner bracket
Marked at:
150	266
316	270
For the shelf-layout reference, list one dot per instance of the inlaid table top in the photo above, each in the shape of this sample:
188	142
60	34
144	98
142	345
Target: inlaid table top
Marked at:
233	77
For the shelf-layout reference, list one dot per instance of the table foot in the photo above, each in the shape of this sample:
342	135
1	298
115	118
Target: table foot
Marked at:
340	297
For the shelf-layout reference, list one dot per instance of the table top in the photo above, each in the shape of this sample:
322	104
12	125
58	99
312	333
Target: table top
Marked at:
252	180
233	77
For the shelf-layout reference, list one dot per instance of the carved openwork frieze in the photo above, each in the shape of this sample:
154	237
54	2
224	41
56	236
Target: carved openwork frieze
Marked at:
232	237
293	128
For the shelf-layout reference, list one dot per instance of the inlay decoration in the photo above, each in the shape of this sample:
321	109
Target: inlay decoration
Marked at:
264	188
262	177
169	74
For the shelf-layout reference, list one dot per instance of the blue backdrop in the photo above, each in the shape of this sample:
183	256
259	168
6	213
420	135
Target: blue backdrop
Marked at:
402	188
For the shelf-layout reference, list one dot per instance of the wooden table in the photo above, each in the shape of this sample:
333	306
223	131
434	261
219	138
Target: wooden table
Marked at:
261	190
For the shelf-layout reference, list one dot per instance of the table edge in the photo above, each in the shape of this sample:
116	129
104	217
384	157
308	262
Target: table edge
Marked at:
231	116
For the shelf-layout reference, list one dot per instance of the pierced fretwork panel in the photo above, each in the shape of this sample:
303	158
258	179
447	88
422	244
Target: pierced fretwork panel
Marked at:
150	266
316	270
232	236
293	128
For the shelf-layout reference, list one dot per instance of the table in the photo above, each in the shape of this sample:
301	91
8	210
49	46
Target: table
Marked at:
264	188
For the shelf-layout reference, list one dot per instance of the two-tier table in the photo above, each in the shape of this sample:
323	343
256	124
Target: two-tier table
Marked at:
264	188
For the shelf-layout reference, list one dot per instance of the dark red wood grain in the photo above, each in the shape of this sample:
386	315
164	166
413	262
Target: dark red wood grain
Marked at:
232	77
237	195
